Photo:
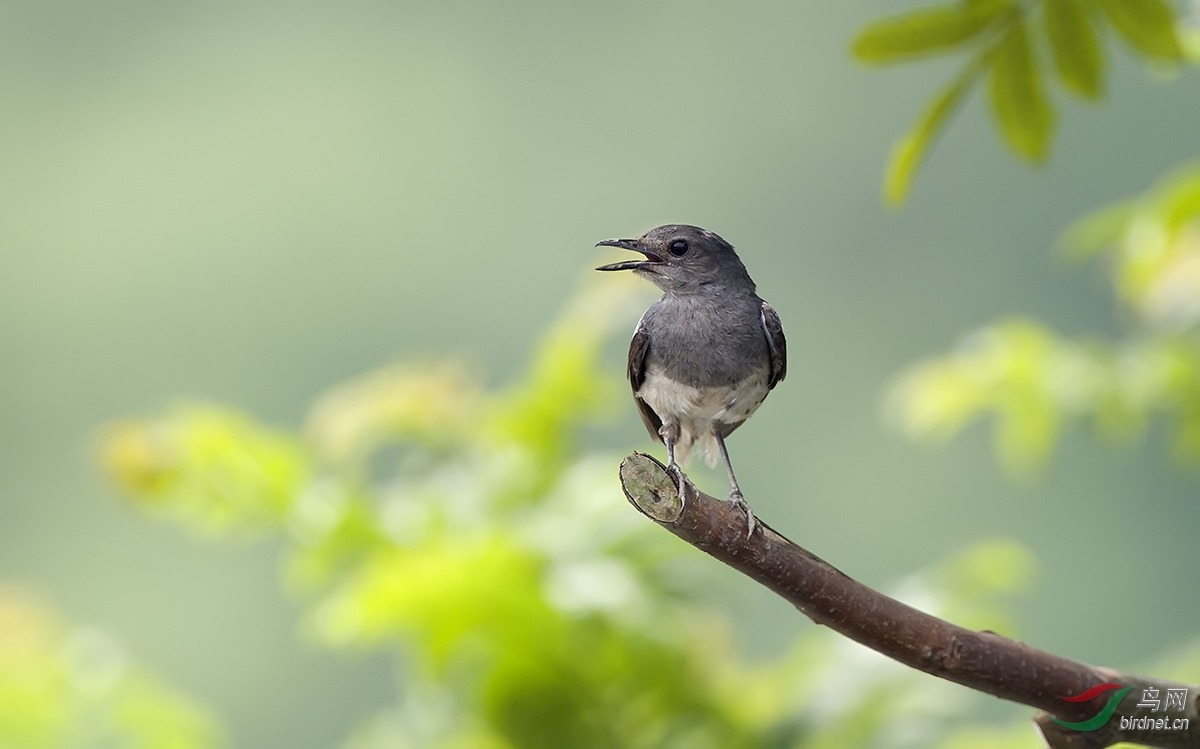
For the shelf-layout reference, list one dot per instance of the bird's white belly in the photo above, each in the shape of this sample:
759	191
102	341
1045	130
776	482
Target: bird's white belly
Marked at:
698	409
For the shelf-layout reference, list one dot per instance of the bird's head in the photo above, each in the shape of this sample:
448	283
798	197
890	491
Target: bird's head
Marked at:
681	258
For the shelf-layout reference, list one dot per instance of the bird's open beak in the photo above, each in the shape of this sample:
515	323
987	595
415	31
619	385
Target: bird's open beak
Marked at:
652	258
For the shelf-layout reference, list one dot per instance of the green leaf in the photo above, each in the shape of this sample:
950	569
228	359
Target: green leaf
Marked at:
1096	232
209	467
1078	57
1025	116
1190	41
1149	25
924	31
909	151
1178	198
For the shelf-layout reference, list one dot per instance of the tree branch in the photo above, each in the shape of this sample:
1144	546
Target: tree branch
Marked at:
984	661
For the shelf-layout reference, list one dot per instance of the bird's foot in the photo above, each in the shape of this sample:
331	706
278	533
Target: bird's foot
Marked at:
737	500
680	479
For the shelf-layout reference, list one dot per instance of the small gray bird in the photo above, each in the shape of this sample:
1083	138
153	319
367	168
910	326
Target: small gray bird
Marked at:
705	355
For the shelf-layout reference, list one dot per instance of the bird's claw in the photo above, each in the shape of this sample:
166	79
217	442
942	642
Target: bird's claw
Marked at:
680	479
737	500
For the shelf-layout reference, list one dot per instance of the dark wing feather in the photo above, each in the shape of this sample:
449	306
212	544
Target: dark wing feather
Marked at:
638	348
776	344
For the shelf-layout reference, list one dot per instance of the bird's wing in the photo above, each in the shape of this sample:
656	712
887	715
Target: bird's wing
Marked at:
638	348
776	344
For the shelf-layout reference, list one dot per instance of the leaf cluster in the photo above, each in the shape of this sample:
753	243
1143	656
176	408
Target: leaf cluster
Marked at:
1016	47
66	686
1034	382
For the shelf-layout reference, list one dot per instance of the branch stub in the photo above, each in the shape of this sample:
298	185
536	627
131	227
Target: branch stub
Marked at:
649	488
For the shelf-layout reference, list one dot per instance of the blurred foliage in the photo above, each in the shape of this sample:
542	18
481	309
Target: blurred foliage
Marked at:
462	528
1035	382
1016	46
63	686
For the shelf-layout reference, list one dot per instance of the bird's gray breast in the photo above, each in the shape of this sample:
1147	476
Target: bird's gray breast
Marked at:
706	341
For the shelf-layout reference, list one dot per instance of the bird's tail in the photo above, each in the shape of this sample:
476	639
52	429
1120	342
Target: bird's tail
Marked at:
707	443
712	451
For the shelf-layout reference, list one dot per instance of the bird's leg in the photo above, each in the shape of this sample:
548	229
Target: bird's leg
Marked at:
669	431
735	495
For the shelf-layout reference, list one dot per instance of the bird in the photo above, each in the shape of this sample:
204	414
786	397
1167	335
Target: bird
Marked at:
705	355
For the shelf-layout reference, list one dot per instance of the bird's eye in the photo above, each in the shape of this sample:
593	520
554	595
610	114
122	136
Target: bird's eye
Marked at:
679	247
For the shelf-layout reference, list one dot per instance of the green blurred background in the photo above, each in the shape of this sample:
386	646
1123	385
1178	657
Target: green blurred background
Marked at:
249	202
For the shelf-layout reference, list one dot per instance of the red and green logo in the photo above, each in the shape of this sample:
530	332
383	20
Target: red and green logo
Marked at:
1102	717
